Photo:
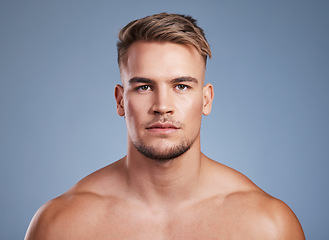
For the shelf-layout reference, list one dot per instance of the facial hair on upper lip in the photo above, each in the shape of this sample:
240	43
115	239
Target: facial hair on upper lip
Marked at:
164	119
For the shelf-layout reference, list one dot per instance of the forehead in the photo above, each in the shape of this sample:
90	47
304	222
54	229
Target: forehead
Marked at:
156	60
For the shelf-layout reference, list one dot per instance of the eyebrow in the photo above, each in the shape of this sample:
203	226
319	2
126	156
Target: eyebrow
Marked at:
139	80
175	80
184	79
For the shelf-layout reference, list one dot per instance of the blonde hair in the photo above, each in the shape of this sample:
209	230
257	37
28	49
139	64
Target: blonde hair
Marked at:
163	27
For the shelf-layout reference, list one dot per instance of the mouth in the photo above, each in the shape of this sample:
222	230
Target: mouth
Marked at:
162	128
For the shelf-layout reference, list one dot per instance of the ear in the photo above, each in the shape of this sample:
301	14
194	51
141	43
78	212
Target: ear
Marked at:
208	96
118	94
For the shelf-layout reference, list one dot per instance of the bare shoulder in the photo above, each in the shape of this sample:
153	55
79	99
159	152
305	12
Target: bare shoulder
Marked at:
254	212
262	216
82	207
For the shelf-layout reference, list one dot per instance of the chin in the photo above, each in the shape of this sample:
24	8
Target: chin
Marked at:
163	153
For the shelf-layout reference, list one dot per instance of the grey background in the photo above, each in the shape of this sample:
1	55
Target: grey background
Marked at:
57	112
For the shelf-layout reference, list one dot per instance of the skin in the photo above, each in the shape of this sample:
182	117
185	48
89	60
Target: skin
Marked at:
189	197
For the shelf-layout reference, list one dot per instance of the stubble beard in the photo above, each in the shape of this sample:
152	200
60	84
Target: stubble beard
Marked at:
165	155
170	152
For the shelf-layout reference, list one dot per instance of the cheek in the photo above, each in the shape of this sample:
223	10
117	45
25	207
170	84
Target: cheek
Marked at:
134	112
191	109
130	114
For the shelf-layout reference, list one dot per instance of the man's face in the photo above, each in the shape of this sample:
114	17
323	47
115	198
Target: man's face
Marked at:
163	98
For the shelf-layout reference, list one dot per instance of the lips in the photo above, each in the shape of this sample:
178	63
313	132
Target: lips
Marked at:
162	128
162	125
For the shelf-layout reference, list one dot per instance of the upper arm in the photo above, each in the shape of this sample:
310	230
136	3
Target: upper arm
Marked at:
285	222
69	216
36	229
43	224
261	216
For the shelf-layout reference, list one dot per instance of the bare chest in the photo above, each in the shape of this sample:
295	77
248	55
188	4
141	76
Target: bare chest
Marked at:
146	229
192	224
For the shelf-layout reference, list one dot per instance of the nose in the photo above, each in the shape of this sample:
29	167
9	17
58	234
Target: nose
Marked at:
162	102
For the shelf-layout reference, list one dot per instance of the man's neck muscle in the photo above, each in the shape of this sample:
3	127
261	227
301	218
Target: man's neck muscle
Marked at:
170	182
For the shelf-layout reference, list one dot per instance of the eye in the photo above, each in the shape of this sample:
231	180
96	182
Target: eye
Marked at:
182	87
144	88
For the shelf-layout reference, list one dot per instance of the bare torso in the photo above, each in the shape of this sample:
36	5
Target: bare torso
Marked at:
102	207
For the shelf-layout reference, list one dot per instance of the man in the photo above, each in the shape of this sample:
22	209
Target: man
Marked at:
164	188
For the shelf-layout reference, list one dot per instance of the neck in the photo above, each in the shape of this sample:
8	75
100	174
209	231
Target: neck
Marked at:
165	183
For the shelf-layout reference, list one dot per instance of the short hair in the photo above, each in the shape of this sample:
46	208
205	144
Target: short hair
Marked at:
163	27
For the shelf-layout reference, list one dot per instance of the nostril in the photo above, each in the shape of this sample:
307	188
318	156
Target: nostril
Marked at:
162	112
162	105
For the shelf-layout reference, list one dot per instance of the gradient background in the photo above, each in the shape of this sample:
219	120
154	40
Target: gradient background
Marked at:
270	114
